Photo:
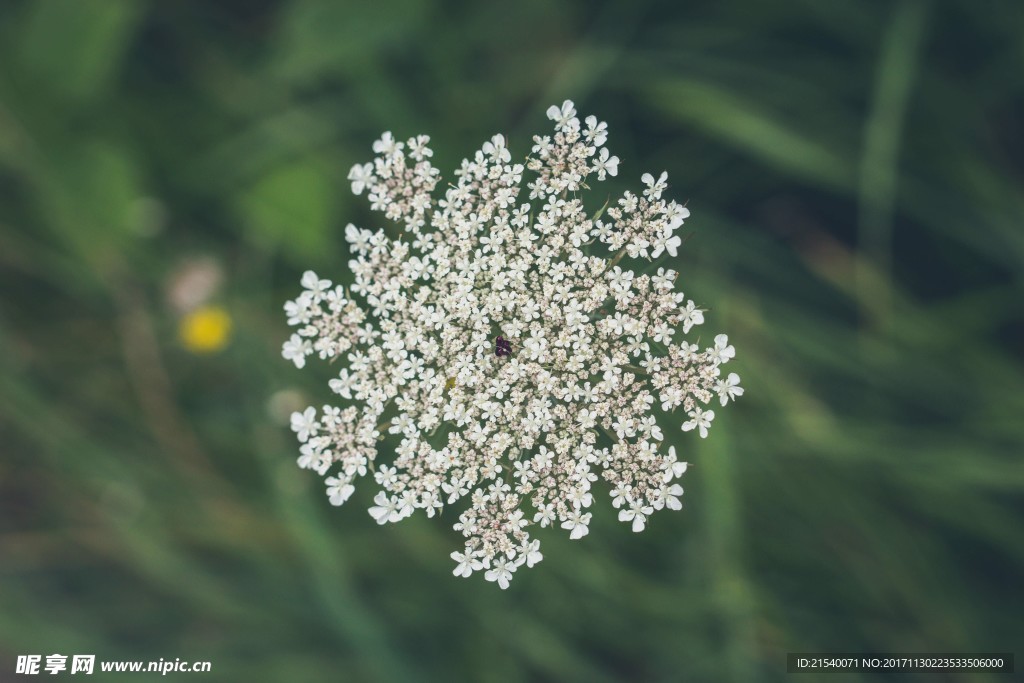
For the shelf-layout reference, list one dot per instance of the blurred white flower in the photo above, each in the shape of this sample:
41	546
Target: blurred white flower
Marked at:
194	283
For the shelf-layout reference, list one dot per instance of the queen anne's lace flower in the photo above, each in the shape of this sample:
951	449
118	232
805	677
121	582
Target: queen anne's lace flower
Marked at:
499	341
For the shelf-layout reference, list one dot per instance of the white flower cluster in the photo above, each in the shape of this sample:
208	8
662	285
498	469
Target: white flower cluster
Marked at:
500	342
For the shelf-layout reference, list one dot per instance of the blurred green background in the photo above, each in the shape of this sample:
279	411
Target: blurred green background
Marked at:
855	172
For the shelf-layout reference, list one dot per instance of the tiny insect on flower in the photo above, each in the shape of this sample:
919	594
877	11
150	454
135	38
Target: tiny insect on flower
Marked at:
502	347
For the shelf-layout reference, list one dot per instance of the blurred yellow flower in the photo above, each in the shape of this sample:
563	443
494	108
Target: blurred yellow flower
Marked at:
205	330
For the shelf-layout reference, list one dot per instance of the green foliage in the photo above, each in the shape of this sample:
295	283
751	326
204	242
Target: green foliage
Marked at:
73	48
854	173
293	206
